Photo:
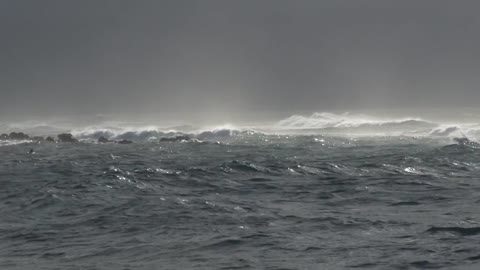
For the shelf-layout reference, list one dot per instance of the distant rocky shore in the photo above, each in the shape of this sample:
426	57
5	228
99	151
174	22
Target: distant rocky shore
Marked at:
61	138
69	138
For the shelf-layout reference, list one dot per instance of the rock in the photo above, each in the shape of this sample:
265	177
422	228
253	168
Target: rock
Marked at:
467	142
124	142
66	137
18	136
50	139
103	140
38	139
4	137
175	139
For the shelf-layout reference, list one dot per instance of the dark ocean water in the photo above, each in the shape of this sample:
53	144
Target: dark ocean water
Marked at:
249	202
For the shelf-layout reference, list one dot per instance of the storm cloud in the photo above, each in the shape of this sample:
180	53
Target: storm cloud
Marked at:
213	57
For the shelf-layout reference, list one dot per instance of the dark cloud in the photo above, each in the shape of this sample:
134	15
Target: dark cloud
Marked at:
227	57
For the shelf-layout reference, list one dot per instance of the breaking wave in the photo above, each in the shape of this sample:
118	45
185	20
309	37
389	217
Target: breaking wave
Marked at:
153	134
13	142
352	123
315	124
357	124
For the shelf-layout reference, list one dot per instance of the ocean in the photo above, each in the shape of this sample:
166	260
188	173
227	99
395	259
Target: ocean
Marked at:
319	195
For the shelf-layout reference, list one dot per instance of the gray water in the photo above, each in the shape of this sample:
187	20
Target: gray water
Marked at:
248	202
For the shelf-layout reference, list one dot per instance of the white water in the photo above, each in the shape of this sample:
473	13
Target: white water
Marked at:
316	123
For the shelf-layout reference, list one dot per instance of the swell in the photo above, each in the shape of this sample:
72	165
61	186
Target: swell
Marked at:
81	203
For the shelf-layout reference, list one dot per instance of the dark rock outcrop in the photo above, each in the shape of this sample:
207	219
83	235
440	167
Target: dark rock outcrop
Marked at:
465	141
103	140
124	142
175	139
18	136
66	137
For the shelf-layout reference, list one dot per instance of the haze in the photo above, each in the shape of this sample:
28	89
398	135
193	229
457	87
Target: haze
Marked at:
228	59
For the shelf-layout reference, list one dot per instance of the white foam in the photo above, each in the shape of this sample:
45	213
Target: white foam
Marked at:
331	120
316	123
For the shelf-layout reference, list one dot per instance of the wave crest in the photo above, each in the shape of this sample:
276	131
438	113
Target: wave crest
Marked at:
317	123
352	123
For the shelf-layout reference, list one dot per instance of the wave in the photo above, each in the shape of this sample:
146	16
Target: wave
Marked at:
155	134
358	124
446	131
315	124
458	230
331	120
140	134
353	123
13	142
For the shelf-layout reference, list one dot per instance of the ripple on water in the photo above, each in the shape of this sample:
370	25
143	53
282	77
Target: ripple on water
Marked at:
287	203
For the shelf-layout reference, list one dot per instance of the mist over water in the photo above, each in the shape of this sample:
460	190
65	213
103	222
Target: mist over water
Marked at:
341	124
215	60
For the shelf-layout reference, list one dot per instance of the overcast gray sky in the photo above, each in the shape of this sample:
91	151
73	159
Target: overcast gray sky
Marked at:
223	56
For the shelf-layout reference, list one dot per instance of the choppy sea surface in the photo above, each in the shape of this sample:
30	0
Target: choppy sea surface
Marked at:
242	200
